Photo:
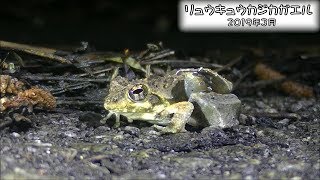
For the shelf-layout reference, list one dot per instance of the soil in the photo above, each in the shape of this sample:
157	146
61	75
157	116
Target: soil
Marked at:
64	145
70	143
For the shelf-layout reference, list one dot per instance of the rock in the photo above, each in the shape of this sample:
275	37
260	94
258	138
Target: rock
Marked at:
69	134
118	137
251	120
266	122
153	133
284	122
217	110
243	119
295	107
292	127
16	135
19	173
92	119
132	130
261	104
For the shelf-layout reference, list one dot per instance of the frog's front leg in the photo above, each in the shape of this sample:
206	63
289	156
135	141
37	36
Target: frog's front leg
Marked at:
181	112
109	115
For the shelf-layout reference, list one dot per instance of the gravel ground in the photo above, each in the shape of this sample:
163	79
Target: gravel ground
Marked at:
68	145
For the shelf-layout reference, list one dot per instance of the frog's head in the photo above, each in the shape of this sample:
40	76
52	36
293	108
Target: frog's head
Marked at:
134	100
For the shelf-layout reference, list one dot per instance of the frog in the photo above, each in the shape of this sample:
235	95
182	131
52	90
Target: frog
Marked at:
162	100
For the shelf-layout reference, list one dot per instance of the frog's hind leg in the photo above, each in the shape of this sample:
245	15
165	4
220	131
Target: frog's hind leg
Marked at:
181	113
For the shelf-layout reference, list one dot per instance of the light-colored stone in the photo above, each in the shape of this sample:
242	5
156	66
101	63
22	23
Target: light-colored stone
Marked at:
218	110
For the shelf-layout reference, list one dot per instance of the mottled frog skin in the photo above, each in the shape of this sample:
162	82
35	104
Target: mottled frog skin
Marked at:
162	100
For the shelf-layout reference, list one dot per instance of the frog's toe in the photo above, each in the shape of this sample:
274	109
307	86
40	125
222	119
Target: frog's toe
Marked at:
157	127
117	123
105	119
167	129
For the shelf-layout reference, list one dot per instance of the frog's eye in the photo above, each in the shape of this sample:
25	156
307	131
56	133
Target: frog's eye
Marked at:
138	92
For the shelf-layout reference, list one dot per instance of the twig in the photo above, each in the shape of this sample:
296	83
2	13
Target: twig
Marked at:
158	55
78	102
70	87
277	115
39	78
96	72
244	75
34	50
247	70
182	62
230	64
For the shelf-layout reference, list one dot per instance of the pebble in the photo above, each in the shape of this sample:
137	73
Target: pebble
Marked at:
100	136
284	122
32	136
248	177
16	135
243	119
103	128
251	120
255	161
267	153
70	134
154	133
260	104
132	130
271	110
296	178
118	137
260	93
31	149
292	127
295	107
161	175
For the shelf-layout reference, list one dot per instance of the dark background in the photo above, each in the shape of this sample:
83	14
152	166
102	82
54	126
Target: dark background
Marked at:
115	25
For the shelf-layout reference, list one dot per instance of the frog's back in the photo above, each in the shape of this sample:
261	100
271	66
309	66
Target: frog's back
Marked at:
170	86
